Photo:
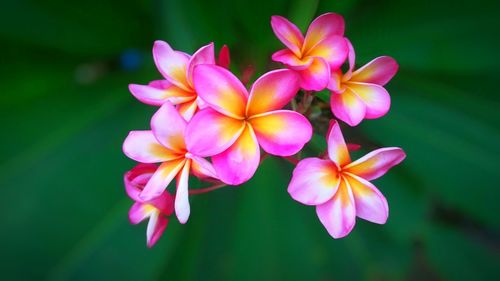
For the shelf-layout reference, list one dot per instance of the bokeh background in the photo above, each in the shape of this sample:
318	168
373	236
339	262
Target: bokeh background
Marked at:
65	110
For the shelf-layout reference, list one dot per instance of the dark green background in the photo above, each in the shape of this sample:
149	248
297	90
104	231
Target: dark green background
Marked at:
65	110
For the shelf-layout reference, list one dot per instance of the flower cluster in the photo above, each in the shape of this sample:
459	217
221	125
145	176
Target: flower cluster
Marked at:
207	113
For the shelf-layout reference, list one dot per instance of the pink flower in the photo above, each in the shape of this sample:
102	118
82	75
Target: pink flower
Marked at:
165	144
359	95
314	57
236	123
157	210
177	68
340	189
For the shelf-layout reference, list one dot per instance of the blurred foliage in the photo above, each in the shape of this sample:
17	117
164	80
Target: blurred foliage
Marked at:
65	110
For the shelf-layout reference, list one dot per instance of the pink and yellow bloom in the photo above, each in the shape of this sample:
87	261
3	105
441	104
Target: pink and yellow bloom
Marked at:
236	124
177	68
360	94
157	210
339	188
322	51
165	144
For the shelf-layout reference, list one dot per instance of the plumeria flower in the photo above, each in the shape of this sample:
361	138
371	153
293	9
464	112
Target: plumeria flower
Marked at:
236	123
177	68
323	49
340	189
360	94
157	210
165	144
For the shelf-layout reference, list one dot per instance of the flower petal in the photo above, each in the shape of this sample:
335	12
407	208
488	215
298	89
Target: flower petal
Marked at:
201	103
135	181
143	147
205	55
288	34
376	163
314	181
202	168
224	57
168	127
351	57
316	76
335	84
379	71
339	214
210	132
239	162
333	49
139	212
348	107
375	98
322	27
182	208
161	179
272	91
137	178
158	93
281	132
370	204
337	149
188	109
171	64
221	90
289	59
156	226
164	203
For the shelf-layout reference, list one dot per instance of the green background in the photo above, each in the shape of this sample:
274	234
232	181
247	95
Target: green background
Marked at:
65	110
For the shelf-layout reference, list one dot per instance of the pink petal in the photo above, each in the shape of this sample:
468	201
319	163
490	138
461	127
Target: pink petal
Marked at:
201	103
272	91
337	149
371	205
288	34
379	71
333	49
281	132
161	179
339	214
205	55
221	90
137	178
351	58
182	208
139	212
168	127
171	64
323	27
210	132
316	76
156	226
143	147
188	109
314	181
375	98
164	203
335	84
202	168
376	163
289	59
157	96
348	107
224	57
239	162
353	146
